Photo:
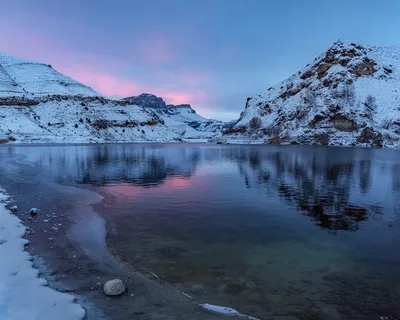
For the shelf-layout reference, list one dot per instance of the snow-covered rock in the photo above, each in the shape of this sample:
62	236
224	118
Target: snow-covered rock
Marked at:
349	95
14	208
114	287
39	105
34	211
182	119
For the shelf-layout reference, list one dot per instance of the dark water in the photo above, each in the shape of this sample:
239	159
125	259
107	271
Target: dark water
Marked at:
275	232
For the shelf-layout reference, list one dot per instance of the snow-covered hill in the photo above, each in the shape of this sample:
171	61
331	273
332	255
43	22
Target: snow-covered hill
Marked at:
182	119
20	77
39	104
350	95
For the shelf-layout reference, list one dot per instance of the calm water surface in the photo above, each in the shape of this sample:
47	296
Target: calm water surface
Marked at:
275	232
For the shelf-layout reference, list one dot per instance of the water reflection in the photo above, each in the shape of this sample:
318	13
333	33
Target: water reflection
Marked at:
330	185
272	231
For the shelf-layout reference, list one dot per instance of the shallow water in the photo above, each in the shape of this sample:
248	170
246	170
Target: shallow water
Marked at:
275	232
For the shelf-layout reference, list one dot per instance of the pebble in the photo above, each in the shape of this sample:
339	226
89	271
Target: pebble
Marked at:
114	287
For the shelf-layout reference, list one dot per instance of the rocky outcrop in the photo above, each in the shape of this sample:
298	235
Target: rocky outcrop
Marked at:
371	137
147	100
182	118
348	96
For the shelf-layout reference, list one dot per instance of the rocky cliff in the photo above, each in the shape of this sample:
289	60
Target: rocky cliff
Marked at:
349	95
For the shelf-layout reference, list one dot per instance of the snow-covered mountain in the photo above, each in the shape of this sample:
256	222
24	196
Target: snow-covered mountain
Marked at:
39	104
349	95
182	119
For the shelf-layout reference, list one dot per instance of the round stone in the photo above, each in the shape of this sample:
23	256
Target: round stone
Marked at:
114	287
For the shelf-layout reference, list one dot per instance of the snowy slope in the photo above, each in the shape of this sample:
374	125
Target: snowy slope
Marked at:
182	119
76	119
350	95
22	294
22	77
39	104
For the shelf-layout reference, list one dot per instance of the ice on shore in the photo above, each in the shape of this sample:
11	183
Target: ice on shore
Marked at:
225	311
22	294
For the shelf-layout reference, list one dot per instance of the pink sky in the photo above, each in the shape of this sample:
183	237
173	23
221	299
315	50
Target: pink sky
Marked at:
104	74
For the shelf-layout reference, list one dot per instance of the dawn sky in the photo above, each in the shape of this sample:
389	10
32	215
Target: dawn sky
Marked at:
210	53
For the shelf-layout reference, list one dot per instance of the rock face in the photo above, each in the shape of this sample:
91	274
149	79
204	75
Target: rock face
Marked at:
182	118
349	96
147	100
114	287
40	105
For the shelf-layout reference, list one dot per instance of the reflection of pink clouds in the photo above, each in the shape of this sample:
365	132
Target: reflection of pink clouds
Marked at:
176	182
132	191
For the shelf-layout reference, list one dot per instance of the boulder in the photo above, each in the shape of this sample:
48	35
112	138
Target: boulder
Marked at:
14	208
369	135
34	211
322	139
114	287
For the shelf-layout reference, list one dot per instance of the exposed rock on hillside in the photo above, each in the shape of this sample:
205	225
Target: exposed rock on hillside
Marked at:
39	104
348	96
182	119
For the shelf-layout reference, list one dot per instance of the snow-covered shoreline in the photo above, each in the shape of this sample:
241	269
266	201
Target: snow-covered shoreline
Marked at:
23	295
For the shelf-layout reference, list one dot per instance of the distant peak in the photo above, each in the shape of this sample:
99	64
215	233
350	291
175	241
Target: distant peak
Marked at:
147	100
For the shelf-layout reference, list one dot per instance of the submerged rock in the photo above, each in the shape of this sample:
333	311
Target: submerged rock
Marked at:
114	287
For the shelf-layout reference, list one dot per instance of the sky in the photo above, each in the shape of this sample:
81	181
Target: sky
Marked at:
212	54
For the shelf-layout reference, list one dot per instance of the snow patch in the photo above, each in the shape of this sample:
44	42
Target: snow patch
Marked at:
22	294
225	311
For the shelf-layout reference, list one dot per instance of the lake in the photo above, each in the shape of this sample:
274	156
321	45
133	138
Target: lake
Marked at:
276	232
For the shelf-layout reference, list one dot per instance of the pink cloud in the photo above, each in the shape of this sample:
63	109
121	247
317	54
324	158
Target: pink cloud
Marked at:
156	48
179	97
182	86
106	84
117	87
194	78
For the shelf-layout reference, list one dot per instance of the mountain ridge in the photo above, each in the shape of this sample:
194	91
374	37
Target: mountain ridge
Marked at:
182	118
40	105
347	96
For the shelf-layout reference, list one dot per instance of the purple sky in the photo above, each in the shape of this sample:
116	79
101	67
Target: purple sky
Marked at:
209	53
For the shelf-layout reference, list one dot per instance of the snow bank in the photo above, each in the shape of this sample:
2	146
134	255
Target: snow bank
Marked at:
24	296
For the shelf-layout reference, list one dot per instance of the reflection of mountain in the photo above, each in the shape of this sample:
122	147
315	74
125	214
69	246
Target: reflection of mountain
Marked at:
322	183
103	164
338	187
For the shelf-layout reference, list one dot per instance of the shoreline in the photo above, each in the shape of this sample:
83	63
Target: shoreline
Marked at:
23	292
73	258
186	142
